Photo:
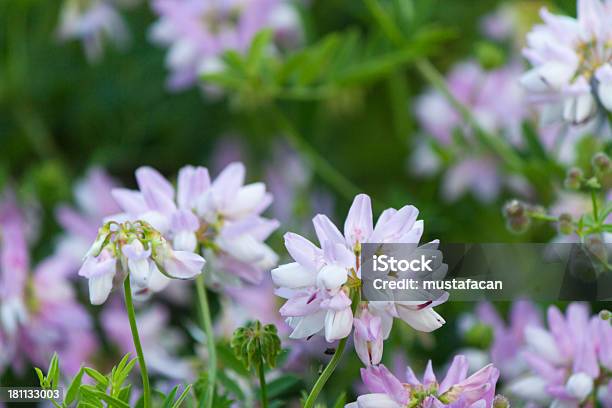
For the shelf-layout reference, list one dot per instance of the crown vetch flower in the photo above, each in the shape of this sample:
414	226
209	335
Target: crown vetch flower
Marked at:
479	90
318	283
92	22
219	217
571	59
455	390
137	250
198	32
568	359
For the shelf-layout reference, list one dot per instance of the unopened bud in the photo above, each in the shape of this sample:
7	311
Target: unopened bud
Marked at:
601	162
566	226
573	179
605	315
517	219
500	402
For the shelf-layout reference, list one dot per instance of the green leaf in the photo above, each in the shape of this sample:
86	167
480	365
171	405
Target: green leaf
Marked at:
182	397
96	375
41	376
258	48
73	388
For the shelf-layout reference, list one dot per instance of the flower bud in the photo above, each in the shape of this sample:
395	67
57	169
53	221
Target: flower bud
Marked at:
573	179
368	337
501	402
605	315
566	226
601	162
517	219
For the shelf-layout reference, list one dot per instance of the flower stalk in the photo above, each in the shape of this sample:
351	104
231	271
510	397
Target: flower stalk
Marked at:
333	363
141	361
210	340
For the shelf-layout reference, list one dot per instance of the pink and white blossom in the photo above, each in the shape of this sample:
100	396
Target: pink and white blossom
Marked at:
568	359
571	63
198	32
472	170
317	285
219	218
93	22
456	390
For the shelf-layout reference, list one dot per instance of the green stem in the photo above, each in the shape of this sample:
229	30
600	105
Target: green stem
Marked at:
595	208
262	381
333	363
141	361
210	340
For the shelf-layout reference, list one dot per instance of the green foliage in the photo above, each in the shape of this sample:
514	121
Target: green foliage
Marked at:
325	69
111	390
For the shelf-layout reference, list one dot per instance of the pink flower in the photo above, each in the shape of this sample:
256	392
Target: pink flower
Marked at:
455	390
368	338
575	351
198	32
46	318
316	285
479	90
509	339
221	218
571	59
92	23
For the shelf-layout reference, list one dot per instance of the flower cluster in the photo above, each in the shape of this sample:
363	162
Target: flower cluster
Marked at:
198	32
571	361
472	170
572	63
219	218
140	251
319	285
455	390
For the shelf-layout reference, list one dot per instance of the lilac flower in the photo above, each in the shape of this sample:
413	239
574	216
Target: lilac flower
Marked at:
47	317
158	341
221	218
198	32
318	283
571	61
455	390
568	360
508	339
137	250
93	22
479	91
368	338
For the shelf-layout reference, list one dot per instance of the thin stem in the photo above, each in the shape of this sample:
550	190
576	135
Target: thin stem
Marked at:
595	208
333	363
141	361
210	340
262	381
327	372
